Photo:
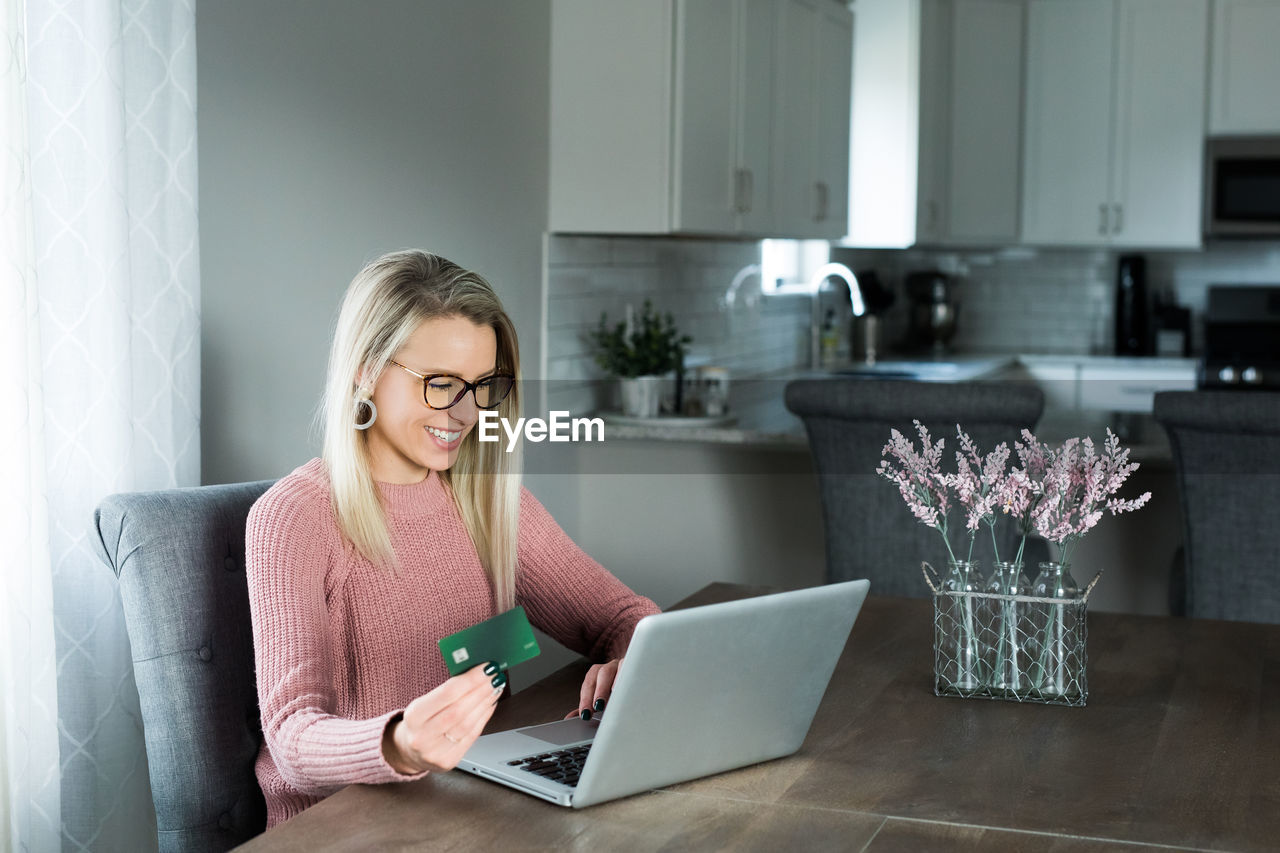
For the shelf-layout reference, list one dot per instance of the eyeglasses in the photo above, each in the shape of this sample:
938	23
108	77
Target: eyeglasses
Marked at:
441	391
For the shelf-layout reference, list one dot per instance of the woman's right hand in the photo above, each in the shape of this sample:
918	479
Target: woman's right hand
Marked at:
440	726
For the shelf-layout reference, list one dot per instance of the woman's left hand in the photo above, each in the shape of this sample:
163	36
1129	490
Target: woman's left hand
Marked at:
596	688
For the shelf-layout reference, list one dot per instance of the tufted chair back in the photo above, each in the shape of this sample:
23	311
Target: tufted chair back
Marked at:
179	557
870	533
1226	451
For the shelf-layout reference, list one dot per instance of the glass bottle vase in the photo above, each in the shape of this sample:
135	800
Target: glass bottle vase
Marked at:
1007	627
959	665
1056	653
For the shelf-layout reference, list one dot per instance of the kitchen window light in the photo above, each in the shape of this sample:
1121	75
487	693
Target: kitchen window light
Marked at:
787	266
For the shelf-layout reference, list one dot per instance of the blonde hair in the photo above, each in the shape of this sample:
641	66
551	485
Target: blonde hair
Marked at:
383	306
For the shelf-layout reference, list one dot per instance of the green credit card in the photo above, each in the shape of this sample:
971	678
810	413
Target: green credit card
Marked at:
506	639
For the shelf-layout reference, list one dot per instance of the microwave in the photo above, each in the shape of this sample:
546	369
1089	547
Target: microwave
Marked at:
1242	186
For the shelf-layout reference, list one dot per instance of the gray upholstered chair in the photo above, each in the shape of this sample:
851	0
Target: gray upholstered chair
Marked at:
179	557
1226	451
870	533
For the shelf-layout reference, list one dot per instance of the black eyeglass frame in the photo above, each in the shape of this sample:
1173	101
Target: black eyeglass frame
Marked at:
466	386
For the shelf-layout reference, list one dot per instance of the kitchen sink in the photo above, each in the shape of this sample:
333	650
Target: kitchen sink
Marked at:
863	373
939	371
924	370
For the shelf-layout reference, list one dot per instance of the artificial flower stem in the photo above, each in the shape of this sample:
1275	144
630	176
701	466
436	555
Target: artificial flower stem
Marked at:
946	540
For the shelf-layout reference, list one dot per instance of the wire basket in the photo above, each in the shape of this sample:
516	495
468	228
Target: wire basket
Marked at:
1014	647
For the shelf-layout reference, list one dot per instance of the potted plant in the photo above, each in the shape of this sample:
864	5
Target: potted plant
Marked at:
640	352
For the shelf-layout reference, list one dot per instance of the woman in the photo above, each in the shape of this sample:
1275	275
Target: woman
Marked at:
406	530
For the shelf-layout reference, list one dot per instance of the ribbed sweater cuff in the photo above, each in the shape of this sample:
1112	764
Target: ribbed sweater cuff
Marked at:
342	752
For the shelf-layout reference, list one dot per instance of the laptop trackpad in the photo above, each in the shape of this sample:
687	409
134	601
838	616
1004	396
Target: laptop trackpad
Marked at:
564	731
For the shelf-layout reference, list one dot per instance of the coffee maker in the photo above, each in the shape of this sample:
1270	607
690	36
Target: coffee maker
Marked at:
933	311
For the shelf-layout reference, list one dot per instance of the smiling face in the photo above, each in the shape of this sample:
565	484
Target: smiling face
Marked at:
409	439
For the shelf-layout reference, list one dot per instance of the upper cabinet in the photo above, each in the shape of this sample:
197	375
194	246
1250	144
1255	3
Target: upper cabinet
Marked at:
811	118
983	143
937	122
1115	123
1244	96
722	89
700	117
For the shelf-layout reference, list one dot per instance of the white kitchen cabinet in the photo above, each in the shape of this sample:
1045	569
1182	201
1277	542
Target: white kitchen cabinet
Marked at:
1131	384
984	140
1058	378
937	122
931	149
811	119
666	116
797	35
1104	383
833	81
723	90
1243	93
1114	128
704	131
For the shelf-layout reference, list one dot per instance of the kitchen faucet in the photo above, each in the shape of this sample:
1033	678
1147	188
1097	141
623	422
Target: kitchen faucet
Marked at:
820	276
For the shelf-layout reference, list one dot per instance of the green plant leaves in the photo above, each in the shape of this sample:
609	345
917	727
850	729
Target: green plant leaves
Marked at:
654	347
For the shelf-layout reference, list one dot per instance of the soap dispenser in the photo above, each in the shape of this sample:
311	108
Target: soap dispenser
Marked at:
830	339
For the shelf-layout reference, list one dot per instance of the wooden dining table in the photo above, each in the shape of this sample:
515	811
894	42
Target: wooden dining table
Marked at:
1178	746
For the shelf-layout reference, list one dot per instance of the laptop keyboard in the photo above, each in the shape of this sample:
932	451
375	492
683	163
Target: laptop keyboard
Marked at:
563	766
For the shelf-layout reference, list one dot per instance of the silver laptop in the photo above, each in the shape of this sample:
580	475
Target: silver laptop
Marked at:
702	691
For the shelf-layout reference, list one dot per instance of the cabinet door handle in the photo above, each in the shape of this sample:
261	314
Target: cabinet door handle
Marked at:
739	190
1118	218
1102	220
751	190
821	194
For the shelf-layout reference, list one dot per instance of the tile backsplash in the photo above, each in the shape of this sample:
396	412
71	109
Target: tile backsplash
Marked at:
1011	300
1062	301
588	275
1056	301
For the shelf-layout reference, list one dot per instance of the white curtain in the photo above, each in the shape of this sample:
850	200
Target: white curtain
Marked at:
100	382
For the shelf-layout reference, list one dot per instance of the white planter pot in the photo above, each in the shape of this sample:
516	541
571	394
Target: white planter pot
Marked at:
641	396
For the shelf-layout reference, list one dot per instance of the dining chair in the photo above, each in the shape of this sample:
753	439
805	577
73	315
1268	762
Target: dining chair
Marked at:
1226	454
869	531
179	557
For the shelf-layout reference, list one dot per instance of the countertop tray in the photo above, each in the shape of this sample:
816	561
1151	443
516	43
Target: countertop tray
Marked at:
620	419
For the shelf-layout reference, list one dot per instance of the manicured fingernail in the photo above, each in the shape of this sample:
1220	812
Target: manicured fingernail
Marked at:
598	706
490	668
585	714
499	680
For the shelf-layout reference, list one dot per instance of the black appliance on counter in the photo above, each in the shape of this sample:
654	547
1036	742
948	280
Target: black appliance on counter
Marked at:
1132	307
1241	337
934	310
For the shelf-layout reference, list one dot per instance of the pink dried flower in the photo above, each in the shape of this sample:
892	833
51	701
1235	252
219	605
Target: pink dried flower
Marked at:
977	485
1061	494
919	478
1078	487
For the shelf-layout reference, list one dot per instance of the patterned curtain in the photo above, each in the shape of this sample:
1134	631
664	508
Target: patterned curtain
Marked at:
100	341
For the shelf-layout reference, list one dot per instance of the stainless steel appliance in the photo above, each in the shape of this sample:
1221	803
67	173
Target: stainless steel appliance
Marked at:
1242	186
1241	337
934	309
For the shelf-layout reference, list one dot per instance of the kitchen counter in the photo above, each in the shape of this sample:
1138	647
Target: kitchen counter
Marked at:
762	420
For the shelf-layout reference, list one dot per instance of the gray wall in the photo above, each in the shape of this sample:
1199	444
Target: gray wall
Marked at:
330	132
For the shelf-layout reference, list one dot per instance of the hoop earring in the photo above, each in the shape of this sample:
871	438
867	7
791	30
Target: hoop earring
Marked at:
373	414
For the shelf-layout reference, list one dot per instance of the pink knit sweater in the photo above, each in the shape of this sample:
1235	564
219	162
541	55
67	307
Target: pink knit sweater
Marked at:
341	647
